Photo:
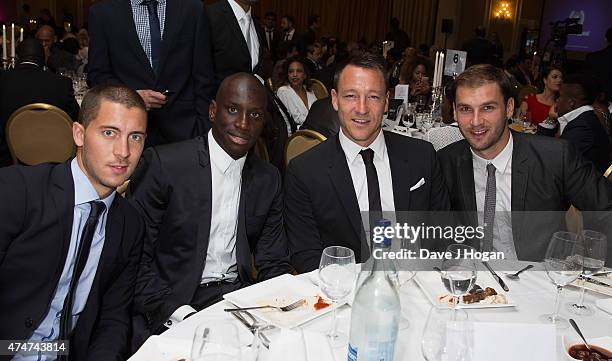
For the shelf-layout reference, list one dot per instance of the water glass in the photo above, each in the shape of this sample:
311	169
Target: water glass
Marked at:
459	271
216	340
447	336
595	250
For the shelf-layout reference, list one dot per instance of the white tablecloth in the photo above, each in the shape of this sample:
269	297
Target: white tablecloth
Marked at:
534	295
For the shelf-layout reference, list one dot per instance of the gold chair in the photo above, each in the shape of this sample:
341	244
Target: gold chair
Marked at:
319	90
608	173
123	188
301	141
39	133
270	85
526	90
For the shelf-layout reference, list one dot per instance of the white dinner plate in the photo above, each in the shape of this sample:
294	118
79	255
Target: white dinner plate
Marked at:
280	291
431	285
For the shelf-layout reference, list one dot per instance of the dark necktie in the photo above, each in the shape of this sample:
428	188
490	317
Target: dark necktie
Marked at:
489	209
269	38
89	229
155	32
375	209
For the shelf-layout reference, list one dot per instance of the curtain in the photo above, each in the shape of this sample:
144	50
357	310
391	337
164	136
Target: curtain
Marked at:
417	18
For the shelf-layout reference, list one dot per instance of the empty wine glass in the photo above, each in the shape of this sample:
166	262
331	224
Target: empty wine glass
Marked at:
458	271
563	263
447	336
337	274
595	248
408	114
216	339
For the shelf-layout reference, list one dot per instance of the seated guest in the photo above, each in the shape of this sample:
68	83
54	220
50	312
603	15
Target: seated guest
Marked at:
578	123
512	172
69	245
360	169
539	105
294	93
210	208
314	53
417	77
286	50
28	83
323	118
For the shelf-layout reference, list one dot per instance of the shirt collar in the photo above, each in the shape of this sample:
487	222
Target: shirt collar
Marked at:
239	12
569	116
500	162
219	158
84	192
352	149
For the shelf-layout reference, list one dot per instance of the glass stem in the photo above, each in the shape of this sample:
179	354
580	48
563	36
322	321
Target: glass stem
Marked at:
556	311
332	332
582	292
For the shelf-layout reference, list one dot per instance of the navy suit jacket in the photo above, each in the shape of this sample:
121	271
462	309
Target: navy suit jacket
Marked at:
591	139
185	67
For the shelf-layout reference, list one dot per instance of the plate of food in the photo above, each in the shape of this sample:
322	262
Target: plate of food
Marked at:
486	293
282	291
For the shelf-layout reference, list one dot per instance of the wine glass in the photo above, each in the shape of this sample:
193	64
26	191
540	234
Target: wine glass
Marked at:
408	114
337	275
442	323
563	263
593	261
458	271
526	120
216	340
427	122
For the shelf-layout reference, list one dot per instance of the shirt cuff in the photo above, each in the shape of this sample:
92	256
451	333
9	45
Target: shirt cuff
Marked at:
179	315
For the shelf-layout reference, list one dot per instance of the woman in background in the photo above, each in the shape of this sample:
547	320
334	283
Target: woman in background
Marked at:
294	93
540	106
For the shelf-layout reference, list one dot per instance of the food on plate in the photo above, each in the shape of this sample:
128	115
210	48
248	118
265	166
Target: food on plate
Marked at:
477	295
580	352
321	303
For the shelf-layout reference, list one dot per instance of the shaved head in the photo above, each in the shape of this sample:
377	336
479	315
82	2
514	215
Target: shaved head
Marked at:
244	79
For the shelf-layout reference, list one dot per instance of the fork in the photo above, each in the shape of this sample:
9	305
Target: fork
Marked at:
287	308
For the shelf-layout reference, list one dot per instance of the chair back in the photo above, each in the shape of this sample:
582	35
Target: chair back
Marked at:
270	85
301	141
608	173
318	88
526	90
443	136
39	133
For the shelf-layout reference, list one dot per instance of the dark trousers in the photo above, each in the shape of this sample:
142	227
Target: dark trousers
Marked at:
208	294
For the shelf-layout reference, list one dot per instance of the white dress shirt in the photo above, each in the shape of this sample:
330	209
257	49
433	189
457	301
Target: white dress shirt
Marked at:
289	35
294	103
565	119
502	225
248	31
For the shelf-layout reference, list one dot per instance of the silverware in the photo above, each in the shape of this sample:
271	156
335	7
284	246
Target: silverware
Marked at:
254	327
515	276
497	278
289	307
602	273
596	282
577	329
437	269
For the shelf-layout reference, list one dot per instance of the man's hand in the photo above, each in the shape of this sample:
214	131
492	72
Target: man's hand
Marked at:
152	99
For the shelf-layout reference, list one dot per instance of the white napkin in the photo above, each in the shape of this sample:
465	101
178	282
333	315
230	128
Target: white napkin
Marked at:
539	339
160	348
605	304
301	345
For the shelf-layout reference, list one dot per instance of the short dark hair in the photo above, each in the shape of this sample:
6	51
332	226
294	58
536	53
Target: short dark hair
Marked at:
583	87
114	93
310	48
480	31
313	19
366	61
31	50
289	19
478	75
295	59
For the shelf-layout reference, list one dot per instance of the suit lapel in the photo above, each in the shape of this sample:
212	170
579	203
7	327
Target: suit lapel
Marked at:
63	198
125	16
520	179
399	173
243	249
113	237
204	201
465	172
171	27
232	22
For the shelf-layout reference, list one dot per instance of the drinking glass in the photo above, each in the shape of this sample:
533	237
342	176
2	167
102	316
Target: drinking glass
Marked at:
408	114
445	328
459	271
427	122
216	340
526	120
337	274
563	263
595	244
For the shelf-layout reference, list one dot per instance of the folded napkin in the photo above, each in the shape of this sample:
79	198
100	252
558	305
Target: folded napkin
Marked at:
301	345
605	305
161	348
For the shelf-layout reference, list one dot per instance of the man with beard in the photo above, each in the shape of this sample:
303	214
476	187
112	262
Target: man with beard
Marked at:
494	171
211	208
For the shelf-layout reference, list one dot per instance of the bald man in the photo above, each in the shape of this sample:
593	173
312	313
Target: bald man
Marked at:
209	205
46	36
55	57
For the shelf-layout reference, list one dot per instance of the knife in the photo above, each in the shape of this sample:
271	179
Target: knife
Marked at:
596	282
497	278
264	339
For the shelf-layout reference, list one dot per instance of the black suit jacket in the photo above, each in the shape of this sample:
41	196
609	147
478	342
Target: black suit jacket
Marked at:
321	207
37	212
185	67
172	189
548	175
323	118
230	51
277	37
591	139
27	84
598	63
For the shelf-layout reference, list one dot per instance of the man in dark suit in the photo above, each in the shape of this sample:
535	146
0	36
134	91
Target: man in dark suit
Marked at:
238	41
323	118
310	36
174	75
578	123
69	245
273	36
361	169
598	63
479	49
210	209
516	186
28	83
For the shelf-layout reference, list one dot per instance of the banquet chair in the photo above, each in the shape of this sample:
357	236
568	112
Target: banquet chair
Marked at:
526	90
318	88
443	136
270	85
39	133
301	141
123	188
608	173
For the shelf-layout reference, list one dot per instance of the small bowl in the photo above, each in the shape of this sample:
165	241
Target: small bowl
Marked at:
602	342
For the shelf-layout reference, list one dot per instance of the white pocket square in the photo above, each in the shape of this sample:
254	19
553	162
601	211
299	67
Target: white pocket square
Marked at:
418	185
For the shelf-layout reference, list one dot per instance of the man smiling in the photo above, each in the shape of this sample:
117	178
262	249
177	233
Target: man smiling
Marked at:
209	205
360	169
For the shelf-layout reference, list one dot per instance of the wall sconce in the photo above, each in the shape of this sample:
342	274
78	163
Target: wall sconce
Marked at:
503	11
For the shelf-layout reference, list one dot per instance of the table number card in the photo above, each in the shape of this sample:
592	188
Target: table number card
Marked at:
454	63
401	92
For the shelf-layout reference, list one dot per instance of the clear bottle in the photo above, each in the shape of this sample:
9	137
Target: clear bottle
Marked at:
376	309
